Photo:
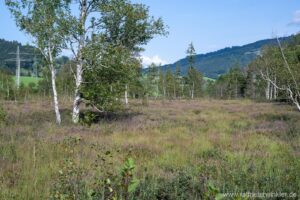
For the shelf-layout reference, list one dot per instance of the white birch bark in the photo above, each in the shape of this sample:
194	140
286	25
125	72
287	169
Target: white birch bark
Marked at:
55	97
18	70
271	92
174	90
77	98
193	90
236	88
79	65
275	90
268	90
126	94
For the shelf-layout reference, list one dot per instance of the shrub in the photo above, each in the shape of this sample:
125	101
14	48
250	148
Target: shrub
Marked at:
69	183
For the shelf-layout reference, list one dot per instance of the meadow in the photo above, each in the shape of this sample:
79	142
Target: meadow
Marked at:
26	80
163	150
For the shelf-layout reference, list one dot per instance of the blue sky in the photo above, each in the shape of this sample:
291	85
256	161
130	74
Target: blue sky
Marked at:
209	24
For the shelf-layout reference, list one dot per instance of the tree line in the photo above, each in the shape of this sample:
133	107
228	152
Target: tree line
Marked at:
273	76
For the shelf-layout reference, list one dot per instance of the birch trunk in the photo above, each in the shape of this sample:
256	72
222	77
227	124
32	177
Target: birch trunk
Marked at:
79	66
268	90
297	105
77	98
193	90
236	88
271	92
126	94
157	93
174	90
182	91
275	90
55	98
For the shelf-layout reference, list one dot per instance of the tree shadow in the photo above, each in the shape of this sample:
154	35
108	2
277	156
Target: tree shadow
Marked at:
93	117
36	118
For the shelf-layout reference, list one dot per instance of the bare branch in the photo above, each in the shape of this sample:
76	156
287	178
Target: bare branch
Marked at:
286	63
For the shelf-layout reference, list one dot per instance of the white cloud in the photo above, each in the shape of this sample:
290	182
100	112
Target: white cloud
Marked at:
296	18
146	60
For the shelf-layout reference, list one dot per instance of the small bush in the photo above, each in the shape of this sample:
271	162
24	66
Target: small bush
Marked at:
88	118
69	183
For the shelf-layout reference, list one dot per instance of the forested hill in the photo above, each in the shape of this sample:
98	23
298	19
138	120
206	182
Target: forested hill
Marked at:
8	47
219	62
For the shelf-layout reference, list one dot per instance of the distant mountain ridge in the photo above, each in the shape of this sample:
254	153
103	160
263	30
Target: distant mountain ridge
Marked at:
219	62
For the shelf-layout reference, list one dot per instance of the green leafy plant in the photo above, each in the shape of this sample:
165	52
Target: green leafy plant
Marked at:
104	186
69	182
88	118
129	182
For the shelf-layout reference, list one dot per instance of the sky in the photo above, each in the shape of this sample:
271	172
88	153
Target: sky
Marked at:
209	24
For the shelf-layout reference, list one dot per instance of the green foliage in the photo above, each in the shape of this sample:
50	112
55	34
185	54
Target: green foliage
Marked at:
194	78
88	118
274	75
7	86
129	182
128	24
278	70
150	82
191	53
43	20
111	184
157	84
106	79
65	79
230	85
69	183
170	85
195	83
125	28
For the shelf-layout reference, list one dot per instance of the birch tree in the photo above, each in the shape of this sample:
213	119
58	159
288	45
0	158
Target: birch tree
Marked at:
43	21
284	75
77	43
106	49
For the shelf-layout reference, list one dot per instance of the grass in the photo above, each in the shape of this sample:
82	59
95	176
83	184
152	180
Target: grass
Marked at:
28	79
182	149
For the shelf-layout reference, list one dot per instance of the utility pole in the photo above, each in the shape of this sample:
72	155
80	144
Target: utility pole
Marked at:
18	61
18	69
